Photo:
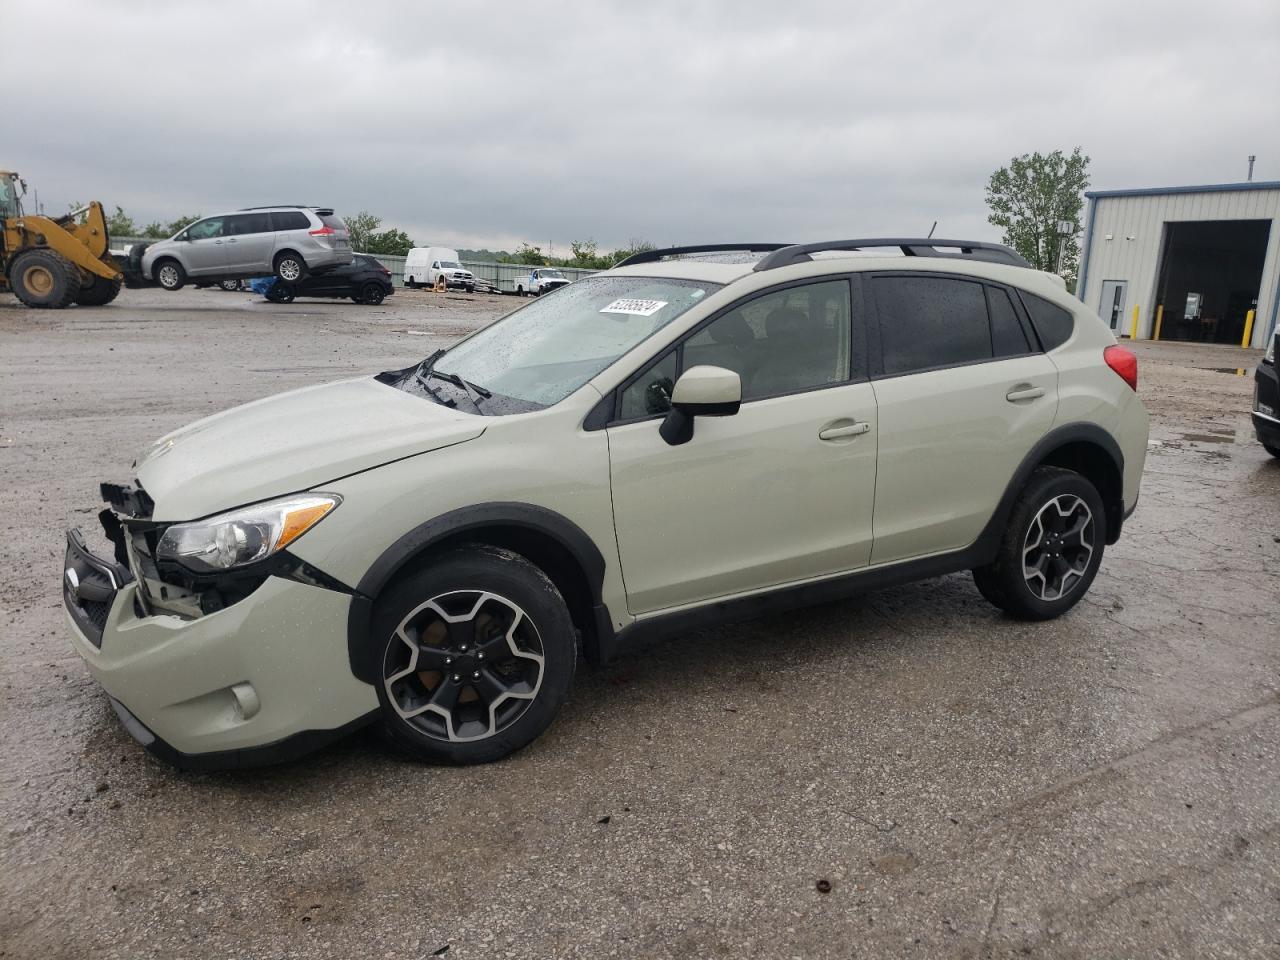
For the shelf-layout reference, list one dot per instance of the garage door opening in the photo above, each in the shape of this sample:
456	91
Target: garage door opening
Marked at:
1210	274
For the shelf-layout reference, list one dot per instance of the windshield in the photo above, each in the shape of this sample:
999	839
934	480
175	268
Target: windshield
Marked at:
552	273
8	198
450	265
545	351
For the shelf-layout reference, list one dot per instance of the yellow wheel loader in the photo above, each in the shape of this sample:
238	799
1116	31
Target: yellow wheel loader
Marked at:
52	262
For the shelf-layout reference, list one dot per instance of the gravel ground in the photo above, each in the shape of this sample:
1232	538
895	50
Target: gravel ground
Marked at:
905	774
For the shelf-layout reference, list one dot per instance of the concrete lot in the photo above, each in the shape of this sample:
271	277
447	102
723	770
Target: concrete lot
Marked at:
967	785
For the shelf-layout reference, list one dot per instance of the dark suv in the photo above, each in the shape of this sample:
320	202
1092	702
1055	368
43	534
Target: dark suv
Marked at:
364	280
1266	399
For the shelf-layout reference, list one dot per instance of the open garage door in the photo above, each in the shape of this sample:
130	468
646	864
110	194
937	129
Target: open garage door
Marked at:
1210	273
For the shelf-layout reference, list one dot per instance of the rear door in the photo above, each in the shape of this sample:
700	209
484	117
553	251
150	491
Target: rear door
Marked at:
249	243
964	392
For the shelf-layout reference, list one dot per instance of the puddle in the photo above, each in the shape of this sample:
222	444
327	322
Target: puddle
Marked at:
1234	371
1208	437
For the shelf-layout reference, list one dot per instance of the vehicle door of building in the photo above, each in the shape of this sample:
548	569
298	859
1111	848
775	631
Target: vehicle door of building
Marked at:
963	394
205	253
249	243
779	492
1111	307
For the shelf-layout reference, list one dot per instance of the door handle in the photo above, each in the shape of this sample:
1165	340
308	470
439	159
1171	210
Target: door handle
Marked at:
232	240
855	429
217	241
1024	393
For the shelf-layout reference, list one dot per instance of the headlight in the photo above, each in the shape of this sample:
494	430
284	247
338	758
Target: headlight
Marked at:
1270	355
246	535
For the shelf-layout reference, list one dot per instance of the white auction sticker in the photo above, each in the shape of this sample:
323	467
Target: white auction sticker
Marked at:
637	308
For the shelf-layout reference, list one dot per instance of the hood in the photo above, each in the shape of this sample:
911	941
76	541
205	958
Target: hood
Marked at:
290	442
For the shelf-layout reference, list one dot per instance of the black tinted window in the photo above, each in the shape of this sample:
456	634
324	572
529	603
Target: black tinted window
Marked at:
289	220
931	322
247	223
1008	339
1053	325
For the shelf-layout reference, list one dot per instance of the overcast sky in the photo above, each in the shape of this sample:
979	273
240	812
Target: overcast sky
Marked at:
474	124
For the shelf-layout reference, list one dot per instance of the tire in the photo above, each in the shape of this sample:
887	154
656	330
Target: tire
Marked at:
290	267
408	282
372	294
44	279
1274	451
1059	523
471	289
281	293
231	286
98	292
519	291
519	691
169	274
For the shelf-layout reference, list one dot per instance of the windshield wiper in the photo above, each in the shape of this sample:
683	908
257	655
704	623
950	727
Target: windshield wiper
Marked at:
422	375
474	392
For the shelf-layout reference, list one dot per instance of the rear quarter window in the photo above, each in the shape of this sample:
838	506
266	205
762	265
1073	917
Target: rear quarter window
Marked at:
1053	324
289	220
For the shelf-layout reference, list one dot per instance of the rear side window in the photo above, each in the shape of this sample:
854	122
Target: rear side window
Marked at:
1008	339
289	220
1053	325
243	223
930	322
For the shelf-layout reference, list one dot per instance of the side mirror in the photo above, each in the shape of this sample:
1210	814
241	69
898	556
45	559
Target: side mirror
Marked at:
700	392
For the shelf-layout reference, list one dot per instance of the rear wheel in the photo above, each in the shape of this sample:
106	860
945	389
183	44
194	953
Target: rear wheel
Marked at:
281	293
409	282
372	294
98	291
43	278
229	285
1051	549
290	267
478	656
169	274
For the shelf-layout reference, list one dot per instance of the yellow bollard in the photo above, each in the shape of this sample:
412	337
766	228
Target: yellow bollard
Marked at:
1159	320
1133	333
1248	328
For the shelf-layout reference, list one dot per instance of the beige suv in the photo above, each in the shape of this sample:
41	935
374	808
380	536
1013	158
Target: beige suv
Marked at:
695	435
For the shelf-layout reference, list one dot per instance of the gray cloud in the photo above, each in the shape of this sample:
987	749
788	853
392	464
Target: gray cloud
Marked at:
491	124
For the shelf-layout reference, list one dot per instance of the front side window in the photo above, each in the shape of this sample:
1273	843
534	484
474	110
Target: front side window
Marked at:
928	322
793	339
543	352
205	229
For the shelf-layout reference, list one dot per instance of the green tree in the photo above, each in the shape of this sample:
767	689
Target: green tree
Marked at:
120	224
179	224
530	255
392	242
362	227
154	231
634	245
1028	198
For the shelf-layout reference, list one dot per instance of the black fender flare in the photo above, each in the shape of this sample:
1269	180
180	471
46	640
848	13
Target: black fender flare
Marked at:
989	540
411	545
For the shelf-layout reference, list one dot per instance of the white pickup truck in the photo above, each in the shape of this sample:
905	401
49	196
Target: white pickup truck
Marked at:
540	280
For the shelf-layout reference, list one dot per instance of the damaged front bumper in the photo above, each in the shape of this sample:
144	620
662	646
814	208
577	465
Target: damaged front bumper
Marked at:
259	679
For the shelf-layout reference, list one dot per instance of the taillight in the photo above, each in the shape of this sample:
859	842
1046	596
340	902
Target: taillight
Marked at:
386	271
323	232
1124	363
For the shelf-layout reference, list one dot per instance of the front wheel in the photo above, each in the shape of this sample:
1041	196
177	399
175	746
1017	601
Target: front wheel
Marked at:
170	275
1051	548
98	292
478	653
44	278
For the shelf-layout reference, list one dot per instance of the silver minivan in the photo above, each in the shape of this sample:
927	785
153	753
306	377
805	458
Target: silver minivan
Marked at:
289	241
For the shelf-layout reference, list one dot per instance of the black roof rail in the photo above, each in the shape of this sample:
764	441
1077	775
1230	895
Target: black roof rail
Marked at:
284	206
910	247
651	256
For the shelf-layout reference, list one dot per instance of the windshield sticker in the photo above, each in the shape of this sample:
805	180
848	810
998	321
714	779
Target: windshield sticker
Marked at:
637	308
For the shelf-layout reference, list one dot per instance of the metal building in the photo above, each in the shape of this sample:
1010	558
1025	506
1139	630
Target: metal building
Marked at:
1185	263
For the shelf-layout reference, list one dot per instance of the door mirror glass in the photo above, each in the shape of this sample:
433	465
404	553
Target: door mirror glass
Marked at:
702	391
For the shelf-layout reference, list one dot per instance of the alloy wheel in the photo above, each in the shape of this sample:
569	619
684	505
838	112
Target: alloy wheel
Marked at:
168	275
464	665
1058	547
290	269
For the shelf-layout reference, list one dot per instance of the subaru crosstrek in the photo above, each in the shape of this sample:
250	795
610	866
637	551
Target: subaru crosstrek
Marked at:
695	435
290	242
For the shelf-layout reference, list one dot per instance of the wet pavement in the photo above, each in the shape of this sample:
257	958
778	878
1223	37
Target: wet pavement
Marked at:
907	774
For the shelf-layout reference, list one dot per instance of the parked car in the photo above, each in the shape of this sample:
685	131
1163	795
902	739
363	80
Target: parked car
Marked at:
1266	399
668	444
364	280
423	266
539	281
290	242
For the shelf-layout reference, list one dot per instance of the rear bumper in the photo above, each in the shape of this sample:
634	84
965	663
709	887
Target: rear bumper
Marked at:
1266	404
259	681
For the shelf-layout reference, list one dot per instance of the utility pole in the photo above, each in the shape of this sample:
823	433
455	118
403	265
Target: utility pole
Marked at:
1065	229
1252	157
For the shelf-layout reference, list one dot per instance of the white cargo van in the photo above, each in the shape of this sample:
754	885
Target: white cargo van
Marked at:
423	266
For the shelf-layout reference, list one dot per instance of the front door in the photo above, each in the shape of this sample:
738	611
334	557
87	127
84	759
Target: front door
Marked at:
206	252
780	492
1111	307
